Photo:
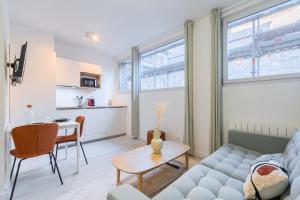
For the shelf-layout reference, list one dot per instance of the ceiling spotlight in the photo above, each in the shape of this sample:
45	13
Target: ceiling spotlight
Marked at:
91	37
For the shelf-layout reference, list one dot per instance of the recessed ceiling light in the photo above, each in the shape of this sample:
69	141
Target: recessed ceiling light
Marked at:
91	37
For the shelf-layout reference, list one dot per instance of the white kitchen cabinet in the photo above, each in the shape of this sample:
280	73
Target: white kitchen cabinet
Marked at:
90	68
99	122
67	72
105	122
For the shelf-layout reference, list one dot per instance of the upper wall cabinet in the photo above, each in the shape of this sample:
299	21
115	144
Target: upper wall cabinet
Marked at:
67	72
90	68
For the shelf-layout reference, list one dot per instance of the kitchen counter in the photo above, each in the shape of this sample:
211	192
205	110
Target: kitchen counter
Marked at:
100	121
88	107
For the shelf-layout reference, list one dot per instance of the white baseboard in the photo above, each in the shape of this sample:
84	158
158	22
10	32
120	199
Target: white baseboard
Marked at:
200	154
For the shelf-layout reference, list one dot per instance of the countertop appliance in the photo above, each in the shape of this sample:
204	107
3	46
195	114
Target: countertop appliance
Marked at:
90	101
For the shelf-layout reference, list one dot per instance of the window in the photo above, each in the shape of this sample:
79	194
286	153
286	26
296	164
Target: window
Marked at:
265	44
125	76
163	67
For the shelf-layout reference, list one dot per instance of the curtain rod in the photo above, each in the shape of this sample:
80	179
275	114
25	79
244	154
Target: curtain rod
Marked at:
240	5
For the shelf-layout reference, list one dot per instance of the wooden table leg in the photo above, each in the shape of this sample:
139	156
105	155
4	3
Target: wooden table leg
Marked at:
187	160
140	181
118	176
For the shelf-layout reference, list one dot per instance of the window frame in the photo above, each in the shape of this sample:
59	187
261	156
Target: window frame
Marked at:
129	58
161	44
239	15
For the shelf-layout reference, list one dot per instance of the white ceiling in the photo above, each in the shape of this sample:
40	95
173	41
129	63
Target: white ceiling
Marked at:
121	24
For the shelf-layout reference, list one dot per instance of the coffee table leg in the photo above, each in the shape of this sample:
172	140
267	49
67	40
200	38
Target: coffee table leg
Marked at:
187	160
140	181
118	176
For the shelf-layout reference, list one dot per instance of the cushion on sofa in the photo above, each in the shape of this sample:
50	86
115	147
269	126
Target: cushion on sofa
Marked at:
292	157
268	179
232	160
276	159
292	163
201	181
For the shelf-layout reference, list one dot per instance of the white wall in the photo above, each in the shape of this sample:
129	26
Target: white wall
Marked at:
89	56
4	39
173	120
38	87
65	97
202	86
267	103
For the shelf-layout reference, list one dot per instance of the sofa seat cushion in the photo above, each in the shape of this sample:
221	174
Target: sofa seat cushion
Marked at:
203	183
292	157
232	160
292	163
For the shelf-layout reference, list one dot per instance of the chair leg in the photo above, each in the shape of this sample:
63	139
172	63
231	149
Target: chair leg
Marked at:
56	150
52	168
55	156
57	169
15	181
83	153
13	167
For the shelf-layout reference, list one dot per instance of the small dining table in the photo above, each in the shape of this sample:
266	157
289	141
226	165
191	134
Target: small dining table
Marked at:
62	126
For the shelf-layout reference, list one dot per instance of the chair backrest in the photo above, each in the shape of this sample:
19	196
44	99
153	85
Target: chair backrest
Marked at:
35	139
80	120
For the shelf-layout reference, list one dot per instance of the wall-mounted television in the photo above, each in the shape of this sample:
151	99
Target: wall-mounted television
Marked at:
18	67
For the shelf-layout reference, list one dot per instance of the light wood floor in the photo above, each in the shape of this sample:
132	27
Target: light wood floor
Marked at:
37	182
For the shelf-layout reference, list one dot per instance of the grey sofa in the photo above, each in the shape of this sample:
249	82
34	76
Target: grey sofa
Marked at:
221	175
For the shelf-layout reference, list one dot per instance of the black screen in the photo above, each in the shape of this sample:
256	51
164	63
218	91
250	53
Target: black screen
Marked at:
20	63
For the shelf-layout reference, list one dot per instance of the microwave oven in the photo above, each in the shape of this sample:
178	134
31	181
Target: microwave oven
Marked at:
88	82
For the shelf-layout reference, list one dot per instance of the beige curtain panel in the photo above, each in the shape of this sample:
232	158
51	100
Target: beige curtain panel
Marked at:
216	134
189	120
135	123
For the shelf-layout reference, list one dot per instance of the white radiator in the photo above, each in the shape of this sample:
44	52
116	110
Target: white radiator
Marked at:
266	129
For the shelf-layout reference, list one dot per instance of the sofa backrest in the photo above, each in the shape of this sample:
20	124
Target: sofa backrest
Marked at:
265	144
291	156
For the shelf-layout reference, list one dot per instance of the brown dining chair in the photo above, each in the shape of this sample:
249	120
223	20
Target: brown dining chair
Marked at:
32	141
72	137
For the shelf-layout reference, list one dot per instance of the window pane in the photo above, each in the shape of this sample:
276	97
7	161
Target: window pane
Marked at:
240	68
163	67
125	76
147	73
284	62
266	43
147	83
161	81
176	79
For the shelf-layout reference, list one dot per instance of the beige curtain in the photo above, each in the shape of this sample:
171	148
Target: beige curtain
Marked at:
135	123
189	120
216	134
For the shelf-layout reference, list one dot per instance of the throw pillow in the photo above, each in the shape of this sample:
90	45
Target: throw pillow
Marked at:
267	178
276	159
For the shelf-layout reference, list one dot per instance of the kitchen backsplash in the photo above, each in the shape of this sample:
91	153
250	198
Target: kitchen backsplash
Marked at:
66	97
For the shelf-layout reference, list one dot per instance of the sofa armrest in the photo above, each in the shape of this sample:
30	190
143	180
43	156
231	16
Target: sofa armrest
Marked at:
126	192
295	189
265	144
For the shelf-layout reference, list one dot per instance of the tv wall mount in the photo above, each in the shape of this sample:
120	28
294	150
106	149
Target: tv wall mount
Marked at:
13	80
